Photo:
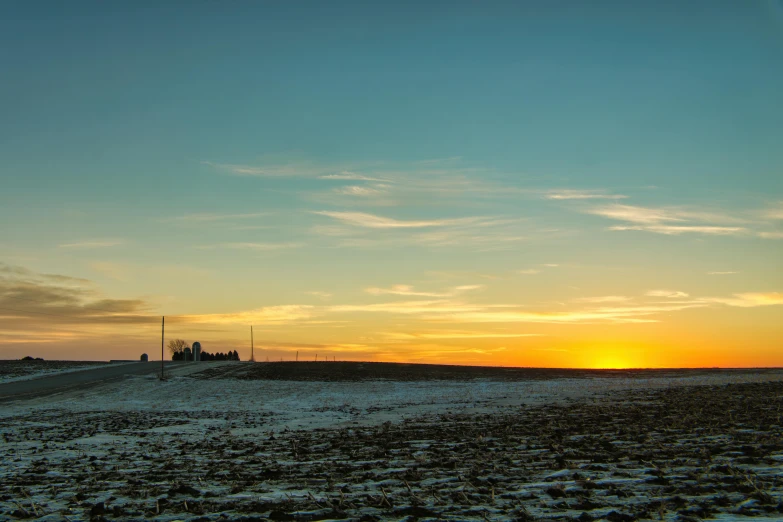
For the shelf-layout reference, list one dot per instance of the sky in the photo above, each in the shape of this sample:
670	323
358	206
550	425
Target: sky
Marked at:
541	183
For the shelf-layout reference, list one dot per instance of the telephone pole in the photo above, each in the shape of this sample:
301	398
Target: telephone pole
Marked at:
252	352
162	334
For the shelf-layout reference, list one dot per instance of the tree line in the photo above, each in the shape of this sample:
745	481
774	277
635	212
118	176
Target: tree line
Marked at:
180	351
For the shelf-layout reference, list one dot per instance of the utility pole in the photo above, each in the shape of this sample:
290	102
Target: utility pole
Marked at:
252	353
162	333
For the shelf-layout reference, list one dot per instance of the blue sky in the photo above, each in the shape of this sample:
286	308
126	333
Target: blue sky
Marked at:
216	158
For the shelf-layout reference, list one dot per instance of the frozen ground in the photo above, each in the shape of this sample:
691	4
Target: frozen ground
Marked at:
219	443
14	371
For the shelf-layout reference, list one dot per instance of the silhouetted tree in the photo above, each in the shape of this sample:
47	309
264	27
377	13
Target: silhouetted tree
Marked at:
176	348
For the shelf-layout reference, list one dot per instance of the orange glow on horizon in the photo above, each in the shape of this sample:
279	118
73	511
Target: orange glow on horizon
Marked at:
611	363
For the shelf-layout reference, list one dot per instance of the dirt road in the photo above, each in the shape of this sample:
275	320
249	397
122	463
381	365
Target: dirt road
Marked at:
42	386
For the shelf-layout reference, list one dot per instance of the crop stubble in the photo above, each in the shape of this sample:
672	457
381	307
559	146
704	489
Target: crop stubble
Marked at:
683	453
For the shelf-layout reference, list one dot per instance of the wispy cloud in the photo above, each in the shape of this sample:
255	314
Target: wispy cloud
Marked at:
93	243
22	274
671	294
534	271
362	219
401	336
263	247
634	214
437	306
650	215
481	240
360	191
581	194
448	311
268	315
603	299
402	290
273	171
670	221
460	274
332	231
320	295
408	290
722	273
206	217
483	233
774	212
418	182
677	230
750	299
352	176
629	314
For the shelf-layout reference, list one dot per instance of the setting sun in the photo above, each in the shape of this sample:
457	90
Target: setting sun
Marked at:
611	363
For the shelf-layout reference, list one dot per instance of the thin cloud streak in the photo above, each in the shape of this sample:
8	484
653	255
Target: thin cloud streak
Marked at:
415	307
268	315
365	220
95	243
775	213
408	290
635	214
750	299
359	191
603	299
633	314
667	293
263	247
399	336
352	176
673	221
206	217
656	216
677	230
567	194
320	295
272	171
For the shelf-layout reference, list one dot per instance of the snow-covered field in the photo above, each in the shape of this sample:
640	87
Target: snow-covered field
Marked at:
206	445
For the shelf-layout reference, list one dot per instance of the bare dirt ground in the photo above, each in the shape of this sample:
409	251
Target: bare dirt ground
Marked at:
369	371
679	452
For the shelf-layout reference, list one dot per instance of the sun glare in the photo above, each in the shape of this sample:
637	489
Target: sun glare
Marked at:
610	363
